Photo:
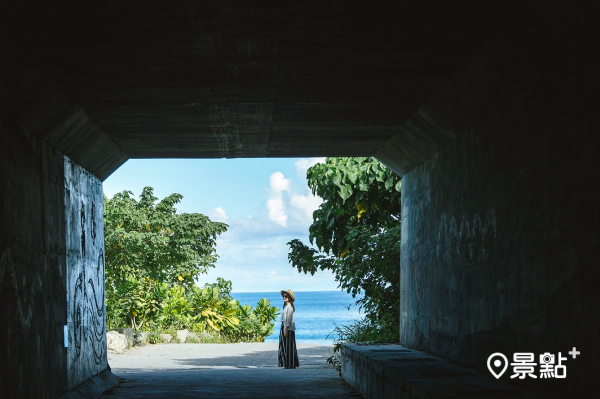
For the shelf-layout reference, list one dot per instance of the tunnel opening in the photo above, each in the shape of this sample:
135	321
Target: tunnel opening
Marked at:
256	187
258	205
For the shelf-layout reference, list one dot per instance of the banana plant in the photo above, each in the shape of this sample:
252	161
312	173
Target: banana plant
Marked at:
266	315
206	303
228	310
176	309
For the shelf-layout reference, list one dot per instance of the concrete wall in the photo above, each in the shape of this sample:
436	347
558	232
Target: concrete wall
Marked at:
500	227
32	267
40	245
85	274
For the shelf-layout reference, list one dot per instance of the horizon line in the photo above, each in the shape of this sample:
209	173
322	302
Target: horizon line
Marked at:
253	292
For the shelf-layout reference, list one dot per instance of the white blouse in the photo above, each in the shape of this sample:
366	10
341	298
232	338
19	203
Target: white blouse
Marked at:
287	318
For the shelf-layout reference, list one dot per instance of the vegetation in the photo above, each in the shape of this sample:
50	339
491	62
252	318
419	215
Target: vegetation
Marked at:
153	256
356	232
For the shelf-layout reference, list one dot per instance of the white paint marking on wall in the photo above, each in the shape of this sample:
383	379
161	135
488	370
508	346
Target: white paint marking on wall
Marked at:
453	237
24	302
66	336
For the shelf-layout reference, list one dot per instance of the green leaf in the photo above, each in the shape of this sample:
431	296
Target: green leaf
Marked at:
346	192
389	182
353	176
337	180
351	187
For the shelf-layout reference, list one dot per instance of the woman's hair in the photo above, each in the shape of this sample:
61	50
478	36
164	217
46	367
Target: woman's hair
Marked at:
291	303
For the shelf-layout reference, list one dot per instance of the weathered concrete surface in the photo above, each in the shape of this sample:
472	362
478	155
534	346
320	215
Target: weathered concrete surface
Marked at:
500	227
523	62
40	245
32	266
86	316
229	79
396	372
224	371
45	110
451	111
92	387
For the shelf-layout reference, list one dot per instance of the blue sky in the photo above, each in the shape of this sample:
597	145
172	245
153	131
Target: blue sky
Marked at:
266	203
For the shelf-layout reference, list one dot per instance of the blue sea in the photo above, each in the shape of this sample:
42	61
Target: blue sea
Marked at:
317	313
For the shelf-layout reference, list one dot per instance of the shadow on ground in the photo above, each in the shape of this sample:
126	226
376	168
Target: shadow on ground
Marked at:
224	371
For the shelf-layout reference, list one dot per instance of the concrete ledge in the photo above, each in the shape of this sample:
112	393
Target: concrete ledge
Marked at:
92	387
393	372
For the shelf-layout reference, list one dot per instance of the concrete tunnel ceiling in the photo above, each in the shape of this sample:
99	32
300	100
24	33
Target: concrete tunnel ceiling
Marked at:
240	79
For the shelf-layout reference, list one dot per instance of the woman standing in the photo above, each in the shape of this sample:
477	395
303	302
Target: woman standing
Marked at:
288	355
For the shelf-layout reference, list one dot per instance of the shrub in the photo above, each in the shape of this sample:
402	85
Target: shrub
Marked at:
192	340
210	309
361	331
154	337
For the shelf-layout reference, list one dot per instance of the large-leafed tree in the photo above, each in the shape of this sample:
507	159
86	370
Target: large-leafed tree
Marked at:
356	234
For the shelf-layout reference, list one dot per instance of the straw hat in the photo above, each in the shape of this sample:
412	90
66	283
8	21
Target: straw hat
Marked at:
290	293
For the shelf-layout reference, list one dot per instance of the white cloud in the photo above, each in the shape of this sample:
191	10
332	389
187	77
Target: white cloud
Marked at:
306	204
250	270
253	252
218	215
276	211
272	275
221	212
275	204
286	210
279	182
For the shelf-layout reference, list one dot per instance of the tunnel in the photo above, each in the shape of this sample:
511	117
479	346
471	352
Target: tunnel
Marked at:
488	113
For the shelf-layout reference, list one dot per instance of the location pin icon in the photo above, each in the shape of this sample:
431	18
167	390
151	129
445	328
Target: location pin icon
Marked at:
497	364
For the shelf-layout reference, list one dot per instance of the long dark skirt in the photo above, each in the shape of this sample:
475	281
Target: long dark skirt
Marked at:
288	355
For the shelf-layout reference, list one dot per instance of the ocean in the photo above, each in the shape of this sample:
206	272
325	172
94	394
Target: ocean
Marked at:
317	313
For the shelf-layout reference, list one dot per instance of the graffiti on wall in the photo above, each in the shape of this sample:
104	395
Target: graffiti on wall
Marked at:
463	238
24	291
88	296
86	309
475	235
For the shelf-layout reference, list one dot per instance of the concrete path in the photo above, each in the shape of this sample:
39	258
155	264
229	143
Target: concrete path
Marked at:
224	371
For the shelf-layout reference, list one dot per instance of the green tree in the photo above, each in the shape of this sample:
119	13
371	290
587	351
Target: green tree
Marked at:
148	244
356	231
149	239
153	256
